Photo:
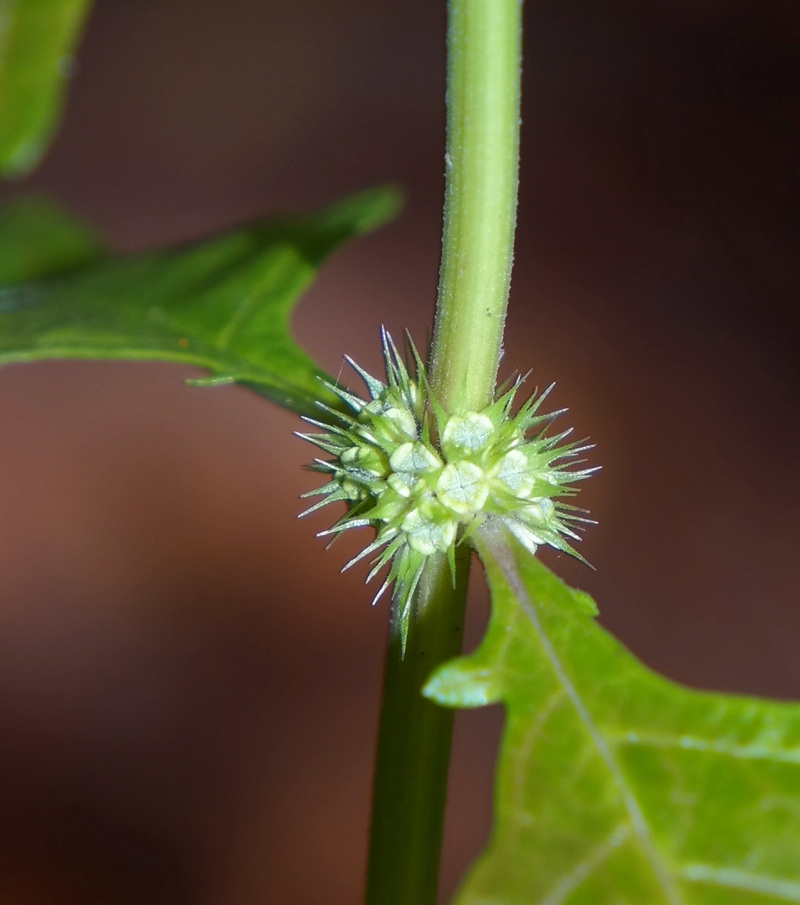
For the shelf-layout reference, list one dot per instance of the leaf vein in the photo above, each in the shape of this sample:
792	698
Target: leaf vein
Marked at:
786	890
532	735
692	743
505	561
582	871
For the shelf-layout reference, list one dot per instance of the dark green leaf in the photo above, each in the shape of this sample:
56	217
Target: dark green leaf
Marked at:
38	239
222	304
615	786
37	39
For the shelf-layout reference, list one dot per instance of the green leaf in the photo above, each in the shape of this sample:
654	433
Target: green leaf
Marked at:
39	239
222	304
615	786
37	39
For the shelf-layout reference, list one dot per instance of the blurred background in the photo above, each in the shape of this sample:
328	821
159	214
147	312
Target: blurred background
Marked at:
188	689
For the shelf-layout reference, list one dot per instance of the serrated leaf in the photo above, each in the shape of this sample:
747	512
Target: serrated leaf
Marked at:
222	304
38	239
37	39
614	785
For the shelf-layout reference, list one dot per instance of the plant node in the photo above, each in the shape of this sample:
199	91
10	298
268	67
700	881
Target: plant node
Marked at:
426	480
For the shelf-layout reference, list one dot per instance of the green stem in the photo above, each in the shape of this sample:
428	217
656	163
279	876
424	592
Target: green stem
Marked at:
477	250
414	746
480	200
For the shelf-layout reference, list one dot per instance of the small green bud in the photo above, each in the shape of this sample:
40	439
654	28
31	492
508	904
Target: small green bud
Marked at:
466	433
462	487
429	530
514	471
414	458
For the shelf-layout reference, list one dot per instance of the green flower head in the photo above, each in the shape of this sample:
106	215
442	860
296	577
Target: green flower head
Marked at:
426	480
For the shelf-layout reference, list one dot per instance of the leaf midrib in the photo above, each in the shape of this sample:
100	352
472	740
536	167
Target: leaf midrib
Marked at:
500	552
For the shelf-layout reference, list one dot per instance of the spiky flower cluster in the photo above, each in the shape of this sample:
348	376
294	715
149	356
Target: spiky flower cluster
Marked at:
426	480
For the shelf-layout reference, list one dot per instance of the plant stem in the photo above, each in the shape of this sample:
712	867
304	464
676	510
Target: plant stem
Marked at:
414	746
484	41
477	250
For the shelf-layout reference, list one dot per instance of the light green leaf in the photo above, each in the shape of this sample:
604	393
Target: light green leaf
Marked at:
39	239
615	786
37	39
222	304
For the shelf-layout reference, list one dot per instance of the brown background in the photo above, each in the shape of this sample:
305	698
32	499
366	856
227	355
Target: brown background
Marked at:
188	691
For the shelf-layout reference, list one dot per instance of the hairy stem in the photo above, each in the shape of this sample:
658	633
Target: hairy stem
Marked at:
480	200
477	251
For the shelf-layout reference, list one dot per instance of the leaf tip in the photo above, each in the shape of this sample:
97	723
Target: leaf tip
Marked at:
458	683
